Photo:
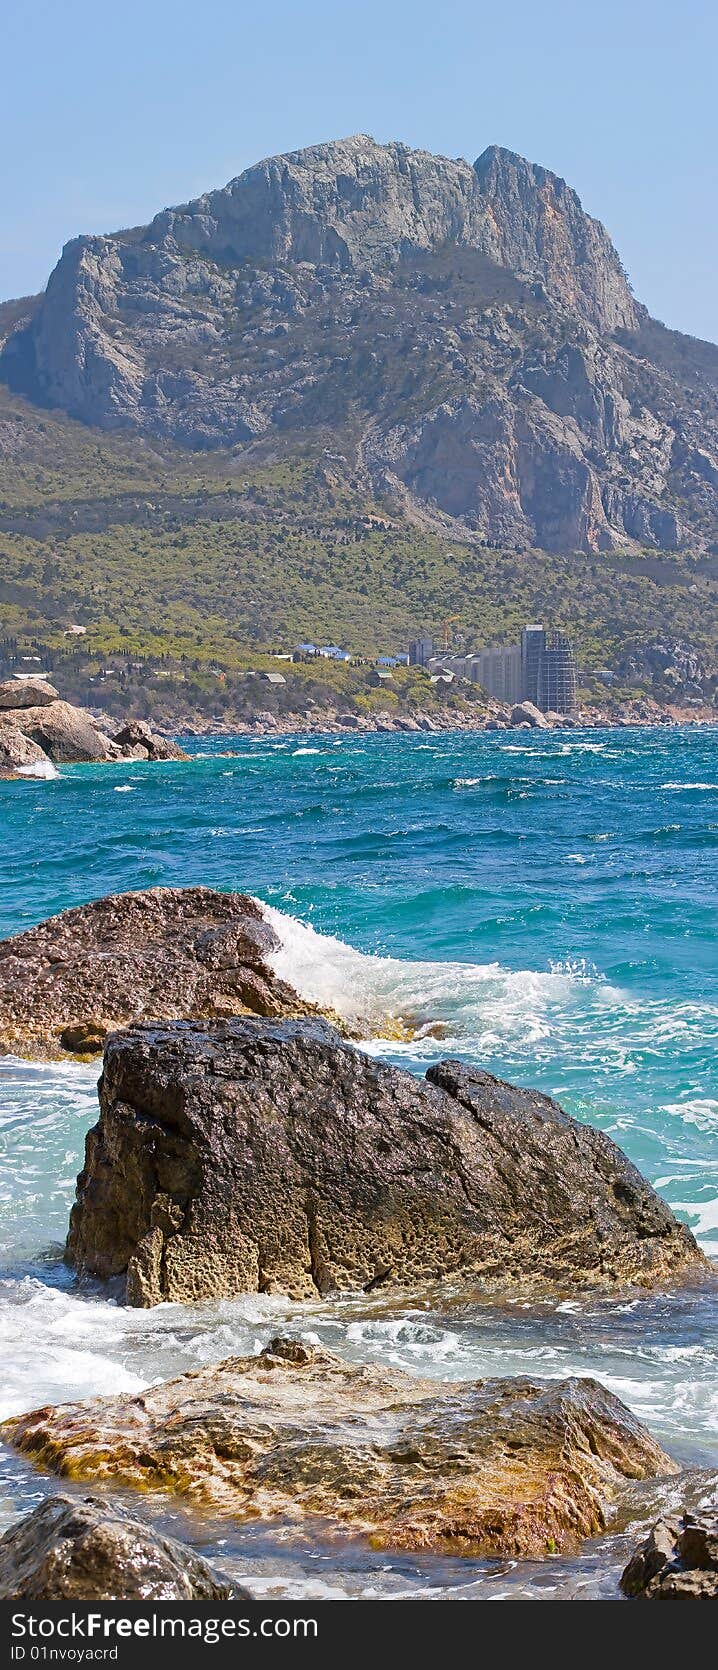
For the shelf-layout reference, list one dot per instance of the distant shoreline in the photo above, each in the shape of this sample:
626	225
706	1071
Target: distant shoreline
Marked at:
297	725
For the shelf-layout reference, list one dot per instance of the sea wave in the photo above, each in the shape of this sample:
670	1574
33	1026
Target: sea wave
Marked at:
453	1000
44	770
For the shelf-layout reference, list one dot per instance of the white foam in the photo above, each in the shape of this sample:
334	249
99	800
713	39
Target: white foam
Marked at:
482	1001
42	769
701	1111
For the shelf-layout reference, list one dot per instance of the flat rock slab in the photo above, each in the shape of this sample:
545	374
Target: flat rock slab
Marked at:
677	1561
169	951
270	1156
89	1549
495	1467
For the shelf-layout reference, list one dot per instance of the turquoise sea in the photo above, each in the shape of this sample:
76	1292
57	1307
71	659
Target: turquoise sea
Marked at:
548	902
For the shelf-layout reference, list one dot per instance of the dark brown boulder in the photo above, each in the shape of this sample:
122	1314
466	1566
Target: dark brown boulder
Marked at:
677	1561
169	952
74	1548
247	1156
26	692
494	1467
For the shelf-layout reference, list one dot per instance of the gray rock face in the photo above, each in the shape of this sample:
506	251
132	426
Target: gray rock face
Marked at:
90	1549
355	204
26	692
265	1156
678	1561
298	295
17	751
63	732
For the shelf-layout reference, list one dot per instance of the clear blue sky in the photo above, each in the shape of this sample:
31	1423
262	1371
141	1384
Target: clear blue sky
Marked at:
108	113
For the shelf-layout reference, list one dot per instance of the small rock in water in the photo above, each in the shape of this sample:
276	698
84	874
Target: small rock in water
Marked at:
677	1561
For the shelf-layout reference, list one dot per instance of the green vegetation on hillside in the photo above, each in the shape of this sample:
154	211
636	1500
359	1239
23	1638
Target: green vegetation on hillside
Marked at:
217	560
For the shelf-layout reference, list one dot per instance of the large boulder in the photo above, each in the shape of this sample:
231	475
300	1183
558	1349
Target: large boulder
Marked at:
494	1467
26	692
17	752
246	1156
65	733
168	952
73	1548
137	738
677	1561
526	713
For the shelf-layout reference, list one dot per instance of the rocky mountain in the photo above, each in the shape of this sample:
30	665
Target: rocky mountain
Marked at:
462	339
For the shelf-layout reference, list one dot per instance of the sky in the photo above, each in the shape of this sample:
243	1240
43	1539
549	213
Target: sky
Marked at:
109	113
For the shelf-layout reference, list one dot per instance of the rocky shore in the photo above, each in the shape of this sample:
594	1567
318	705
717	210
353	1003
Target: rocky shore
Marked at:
468	717
39	731
244	1146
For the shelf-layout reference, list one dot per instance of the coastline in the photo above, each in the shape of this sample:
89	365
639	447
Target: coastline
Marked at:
448	720
446	881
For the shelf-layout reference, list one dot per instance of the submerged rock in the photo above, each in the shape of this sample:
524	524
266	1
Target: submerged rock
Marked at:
493	1467
677	1561
90	1549
167	952
246	1156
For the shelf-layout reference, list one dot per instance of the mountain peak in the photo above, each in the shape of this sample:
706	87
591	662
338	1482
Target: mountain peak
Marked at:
355	204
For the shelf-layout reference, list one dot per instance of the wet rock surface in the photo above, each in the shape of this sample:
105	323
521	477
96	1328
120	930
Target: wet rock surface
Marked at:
495	1467
270	1156
677	1561
91	1549
165	952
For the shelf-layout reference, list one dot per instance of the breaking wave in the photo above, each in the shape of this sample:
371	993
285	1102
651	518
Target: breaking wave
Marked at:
482	1003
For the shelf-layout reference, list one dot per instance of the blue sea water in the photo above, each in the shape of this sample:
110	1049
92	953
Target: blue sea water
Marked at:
545	901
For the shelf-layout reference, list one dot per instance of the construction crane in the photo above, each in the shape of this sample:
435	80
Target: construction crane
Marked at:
446	632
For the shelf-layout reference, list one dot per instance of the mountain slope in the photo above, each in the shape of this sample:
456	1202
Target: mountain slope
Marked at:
462	338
